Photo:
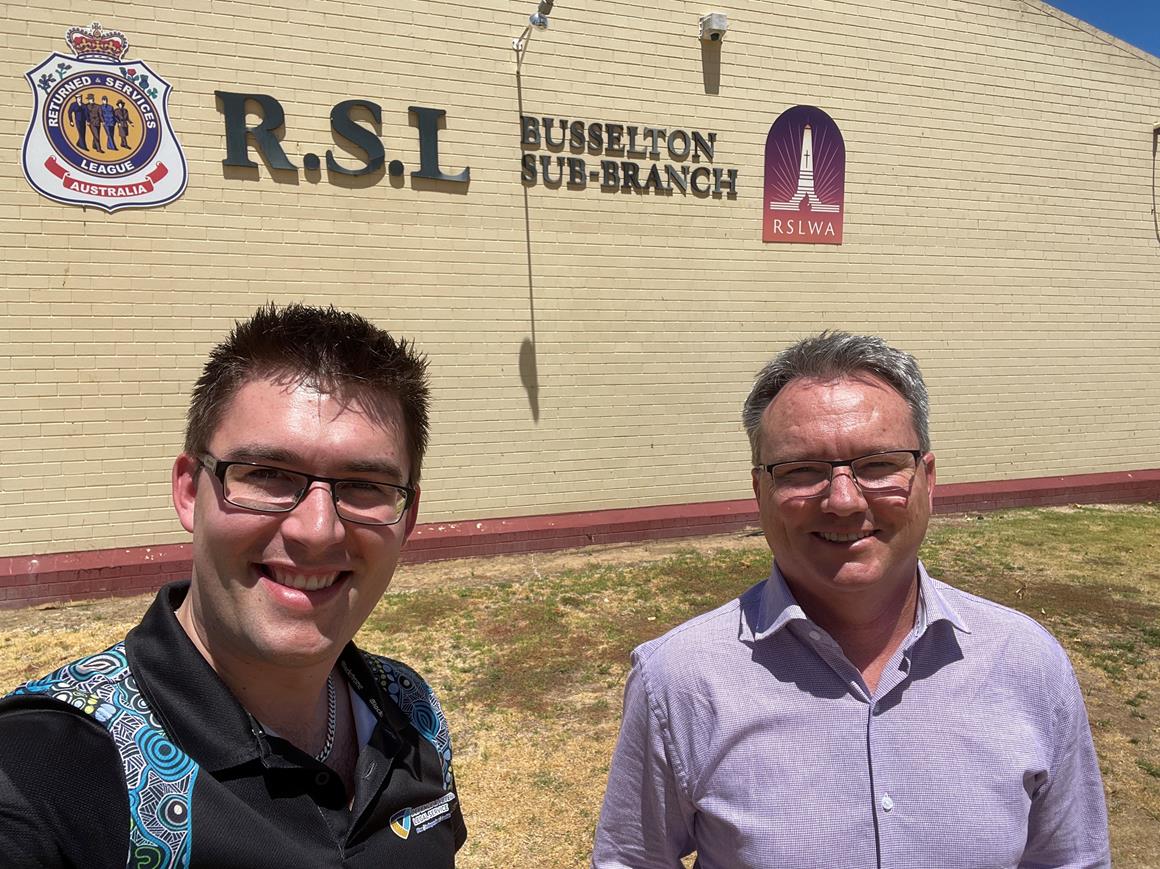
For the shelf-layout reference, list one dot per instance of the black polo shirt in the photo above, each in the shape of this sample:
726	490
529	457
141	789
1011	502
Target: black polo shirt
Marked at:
257	801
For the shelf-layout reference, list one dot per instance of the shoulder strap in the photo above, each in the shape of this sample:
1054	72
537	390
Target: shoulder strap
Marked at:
159	775
408	690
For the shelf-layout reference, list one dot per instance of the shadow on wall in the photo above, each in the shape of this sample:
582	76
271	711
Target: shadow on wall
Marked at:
1155	144
530	376
711	66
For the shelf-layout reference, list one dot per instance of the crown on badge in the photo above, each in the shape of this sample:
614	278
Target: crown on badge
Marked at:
93	42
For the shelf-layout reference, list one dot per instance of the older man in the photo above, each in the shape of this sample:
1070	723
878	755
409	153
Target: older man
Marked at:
851	710
238	725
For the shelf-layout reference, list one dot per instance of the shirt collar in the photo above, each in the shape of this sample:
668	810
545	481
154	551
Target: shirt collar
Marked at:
198	710
194	706
935	605
770	609
773	606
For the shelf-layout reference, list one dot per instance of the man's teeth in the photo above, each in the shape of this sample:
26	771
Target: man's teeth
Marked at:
845	538
303	582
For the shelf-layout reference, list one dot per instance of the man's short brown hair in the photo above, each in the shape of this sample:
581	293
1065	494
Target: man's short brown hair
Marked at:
333	350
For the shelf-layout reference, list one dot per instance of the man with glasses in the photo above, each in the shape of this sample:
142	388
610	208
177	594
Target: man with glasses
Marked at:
238	724
851	710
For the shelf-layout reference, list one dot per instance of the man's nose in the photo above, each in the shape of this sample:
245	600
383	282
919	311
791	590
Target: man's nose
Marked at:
315	522
844	496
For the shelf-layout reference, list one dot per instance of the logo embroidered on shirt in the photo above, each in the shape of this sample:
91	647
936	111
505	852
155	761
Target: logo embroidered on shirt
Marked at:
422	818
401	823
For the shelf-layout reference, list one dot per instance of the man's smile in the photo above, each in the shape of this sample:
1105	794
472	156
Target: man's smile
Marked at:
849	537
302	581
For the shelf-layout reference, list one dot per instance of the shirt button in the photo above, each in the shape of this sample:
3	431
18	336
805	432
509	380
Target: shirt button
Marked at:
815	636
322	779
887	803
876	710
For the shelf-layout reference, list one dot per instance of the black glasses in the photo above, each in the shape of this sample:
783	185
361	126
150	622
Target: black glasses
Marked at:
877	473
277	490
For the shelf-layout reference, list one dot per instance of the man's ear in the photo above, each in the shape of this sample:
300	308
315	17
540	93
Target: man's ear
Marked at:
184	483
412	515
928	461
755	474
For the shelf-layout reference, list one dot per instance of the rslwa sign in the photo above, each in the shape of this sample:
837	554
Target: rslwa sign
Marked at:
805	178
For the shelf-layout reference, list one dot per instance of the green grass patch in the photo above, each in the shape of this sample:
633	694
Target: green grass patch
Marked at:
1151	768
544	637
1150	634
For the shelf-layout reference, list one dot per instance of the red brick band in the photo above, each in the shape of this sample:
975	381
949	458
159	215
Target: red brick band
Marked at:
26	580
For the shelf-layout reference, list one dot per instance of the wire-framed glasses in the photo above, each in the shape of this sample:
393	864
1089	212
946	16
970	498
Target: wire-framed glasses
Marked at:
277	490
890	472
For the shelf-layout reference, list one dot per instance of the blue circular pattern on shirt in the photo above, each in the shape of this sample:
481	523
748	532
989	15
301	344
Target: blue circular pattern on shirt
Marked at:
163	756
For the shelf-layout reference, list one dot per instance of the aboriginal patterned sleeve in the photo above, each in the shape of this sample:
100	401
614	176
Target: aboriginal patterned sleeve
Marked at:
418	702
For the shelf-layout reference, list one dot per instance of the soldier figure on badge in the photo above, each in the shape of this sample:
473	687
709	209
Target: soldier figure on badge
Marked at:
93	115
121	116
78	117
109	120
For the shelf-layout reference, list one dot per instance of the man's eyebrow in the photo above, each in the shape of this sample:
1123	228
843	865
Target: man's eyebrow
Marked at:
266	453
374	466
260	453
815	458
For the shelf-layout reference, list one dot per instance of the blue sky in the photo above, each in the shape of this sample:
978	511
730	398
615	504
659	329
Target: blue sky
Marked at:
1134	21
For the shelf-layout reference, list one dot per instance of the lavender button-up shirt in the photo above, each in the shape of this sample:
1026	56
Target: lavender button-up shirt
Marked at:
749	738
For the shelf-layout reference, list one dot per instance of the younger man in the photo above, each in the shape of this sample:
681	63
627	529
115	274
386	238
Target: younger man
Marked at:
238	725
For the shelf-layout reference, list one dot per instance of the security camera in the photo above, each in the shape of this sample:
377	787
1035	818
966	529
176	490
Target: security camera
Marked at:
713	27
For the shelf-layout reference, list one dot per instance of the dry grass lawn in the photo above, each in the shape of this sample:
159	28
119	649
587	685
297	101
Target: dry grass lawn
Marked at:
529	655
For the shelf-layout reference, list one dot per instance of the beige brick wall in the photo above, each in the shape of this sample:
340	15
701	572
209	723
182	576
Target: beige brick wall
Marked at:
999	224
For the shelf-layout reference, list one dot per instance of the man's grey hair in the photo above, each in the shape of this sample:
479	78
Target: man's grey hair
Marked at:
834	355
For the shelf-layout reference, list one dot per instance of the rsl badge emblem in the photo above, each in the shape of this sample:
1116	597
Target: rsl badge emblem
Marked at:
100	132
